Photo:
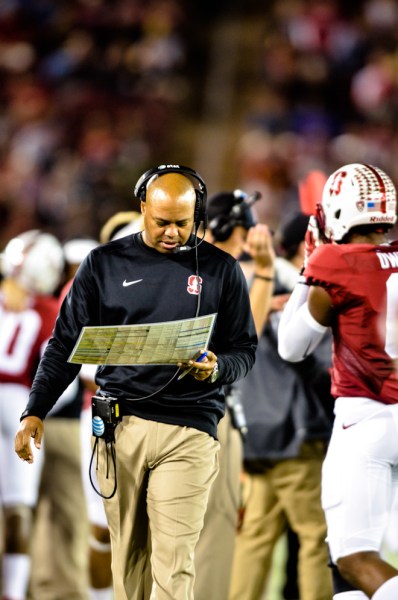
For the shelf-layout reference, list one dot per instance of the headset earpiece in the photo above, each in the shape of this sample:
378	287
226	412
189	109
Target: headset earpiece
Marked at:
200	215
222	228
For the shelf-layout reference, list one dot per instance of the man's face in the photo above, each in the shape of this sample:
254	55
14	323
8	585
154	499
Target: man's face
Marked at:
168	216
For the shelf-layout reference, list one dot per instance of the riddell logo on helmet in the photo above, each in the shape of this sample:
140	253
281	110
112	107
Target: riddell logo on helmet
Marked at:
384	219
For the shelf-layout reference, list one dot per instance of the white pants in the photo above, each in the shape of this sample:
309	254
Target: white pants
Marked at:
360	475
19	481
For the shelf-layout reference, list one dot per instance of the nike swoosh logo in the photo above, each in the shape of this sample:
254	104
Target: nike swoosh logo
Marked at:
127	283
348	426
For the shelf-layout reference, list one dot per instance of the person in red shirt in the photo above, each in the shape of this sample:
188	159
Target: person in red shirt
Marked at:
32	268
350	284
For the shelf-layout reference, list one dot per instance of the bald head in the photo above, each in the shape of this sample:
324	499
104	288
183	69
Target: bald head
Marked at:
172	187
168	211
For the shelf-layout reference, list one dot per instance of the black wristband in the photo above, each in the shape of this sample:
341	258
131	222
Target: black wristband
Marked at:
263	277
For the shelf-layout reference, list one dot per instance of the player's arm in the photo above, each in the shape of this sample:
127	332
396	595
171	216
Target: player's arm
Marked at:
304	322
320	305
308	311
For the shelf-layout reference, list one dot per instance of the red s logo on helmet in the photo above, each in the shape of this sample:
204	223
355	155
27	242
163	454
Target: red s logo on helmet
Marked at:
337	182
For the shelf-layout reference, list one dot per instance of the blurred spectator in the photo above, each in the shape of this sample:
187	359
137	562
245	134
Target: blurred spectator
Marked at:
231	228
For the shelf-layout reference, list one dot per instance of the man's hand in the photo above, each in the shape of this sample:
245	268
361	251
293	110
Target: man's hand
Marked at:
260	247
30	427
200	370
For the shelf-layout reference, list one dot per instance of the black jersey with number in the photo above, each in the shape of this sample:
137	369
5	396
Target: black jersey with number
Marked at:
127	282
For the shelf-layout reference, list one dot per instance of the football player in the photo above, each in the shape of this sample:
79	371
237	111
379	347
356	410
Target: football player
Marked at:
350	284
32	265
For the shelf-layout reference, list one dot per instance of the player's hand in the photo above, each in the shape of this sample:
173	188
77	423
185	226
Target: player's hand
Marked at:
259	246
311	240
30	427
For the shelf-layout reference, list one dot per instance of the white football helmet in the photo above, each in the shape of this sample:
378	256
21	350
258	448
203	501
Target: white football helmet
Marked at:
35	260
76	250
357	194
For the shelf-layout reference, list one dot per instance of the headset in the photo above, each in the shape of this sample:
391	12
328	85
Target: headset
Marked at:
240	213
200	215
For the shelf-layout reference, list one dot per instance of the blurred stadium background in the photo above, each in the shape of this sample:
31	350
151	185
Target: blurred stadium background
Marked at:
251	94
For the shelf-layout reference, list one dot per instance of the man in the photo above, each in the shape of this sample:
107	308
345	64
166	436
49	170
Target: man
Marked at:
165	452
288	430
231	228
32	267
350	285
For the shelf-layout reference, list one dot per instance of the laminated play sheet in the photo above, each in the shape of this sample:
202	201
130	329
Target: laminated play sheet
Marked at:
164	343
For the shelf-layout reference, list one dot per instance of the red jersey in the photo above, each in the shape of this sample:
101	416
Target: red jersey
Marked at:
362	281
23	337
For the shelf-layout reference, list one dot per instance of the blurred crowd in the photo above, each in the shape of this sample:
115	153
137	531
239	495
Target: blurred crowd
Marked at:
88	94
324	93
92	91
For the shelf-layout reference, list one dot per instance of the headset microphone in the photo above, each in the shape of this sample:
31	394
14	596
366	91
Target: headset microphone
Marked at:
252	198
181	249
187	248
245	201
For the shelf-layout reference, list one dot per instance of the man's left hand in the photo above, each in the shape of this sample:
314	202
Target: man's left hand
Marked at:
200	370
30	427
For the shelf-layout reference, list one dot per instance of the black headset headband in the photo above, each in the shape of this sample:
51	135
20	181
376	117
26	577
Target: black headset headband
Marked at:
235	209
140	189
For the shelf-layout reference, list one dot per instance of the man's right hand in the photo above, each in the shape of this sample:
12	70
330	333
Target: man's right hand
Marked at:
259	245
30	427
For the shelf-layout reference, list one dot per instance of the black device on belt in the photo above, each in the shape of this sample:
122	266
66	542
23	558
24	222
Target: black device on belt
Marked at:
105	416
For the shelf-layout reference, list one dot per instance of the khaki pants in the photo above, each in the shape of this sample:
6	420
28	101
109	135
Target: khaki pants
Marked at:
164	474
60	546
289	491
215	550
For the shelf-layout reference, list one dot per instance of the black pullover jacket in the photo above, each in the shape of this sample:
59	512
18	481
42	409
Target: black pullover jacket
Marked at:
98	298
